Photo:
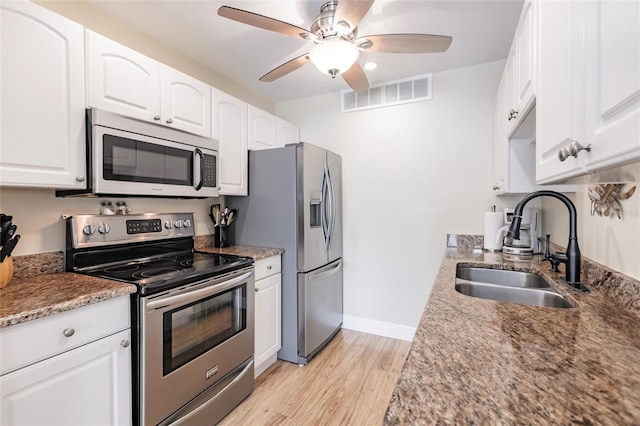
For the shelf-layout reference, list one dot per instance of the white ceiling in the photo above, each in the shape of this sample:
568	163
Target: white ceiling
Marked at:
482	31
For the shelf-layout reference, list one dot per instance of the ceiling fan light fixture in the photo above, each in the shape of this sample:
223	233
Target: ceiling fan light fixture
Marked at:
334	57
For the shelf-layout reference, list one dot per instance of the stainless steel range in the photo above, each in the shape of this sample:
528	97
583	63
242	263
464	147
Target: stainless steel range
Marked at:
192	317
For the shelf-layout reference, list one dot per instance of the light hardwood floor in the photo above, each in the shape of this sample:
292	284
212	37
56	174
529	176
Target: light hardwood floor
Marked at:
349	382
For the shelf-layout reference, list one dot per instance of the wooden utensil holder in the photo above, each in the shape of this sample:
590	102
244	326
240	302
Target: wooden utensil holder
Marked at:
6	272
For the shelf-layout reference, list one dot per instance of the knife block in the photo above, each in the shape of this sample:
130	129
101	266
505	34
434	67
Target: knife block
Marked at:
6	272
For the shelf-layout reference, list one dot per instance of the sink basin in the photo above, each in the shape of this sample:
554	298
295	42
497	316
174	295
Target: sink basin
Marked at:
502	277
509	286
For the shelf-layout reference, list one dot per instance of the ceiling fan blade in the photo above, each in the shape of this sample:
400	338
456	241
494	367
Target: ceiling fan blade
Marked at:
351	12
285	68
404	43
265	22
356	78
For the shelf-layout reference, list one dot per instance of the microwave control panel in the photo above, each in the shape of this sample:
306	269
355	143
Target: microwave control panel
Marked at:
209	178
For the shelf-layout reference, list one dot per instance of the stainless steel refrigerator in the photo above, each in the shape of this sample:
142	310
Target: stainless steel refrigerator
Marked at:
295	203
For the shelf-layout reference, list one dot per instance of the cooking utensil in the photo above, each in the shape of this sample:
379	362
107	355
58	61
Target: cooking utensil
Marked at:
8	248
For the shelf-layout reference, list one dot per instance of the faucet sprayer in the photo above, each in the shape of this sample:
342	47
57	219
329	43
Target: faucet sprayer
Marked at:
571	258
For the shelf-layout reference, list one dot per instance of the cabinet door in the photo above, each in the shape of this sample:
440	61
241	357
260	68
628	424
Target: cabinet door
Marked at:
526	48
42	102
612	56
288	133
122	80
559	100
230	128
500	142
263	129
267	318
186	102
89	385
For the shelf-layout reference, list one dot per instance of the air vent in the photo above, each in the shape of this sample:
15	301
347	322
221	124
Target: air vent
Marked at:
414	89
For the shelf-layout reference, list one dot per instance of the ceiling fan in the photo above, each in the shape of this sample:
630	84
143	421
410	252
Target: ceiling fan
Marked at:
337	46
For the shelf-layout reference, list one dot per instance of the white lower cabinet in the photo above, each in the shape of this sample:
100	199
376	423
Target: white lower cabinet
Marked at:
268	328
81	376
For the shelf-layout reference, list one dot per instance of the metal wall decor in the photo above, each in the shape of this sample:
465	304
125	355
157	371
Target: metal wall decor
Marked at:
607	197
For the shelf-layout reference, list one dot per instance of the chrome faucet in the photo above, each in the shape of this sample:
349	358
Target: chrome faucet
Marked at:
571	258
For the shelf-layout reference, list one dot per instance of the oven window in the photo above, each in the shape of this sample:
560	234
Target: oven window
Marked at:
191	330
135	161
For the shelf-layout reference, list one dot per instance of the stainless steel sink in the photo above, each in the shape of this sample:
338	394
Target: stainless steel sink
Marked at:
509	286
502	277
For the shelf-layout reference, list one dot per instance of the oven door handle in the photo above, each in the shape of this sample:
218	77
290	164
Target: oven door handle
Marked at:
191	296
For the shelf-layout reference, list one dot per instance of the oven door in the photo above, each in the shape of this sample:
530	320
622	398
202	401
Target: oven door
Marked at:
191	338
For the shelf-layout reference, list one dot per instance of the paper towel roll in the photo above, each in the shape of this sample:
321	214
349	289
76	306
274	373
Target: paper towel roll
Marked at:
492	222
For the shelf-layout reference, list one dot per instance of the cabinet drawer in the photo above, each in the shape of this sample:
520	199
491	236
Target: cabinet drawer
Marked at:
267	267
29	342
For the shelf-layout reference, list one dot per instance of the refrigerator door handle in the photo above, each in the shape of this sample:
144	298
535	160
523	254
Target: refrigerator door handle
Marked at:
332	209
323	210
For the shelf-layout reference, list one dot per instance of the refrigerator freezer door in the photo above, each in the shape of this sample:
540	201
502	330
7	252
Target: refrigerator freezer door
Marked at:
334	166
319	307
311	162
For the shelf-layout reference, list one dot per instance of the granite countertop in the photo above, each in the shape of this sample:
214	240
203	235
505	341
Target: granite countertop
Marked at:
248	251
33	297
477	361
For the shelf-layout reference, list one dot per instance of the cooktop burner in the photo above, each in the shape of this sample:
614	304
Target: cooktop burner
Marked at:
171	270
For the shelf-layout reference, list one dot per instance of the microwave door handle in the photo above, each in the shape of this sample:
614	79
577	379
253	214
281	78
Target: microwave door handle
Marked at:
201	155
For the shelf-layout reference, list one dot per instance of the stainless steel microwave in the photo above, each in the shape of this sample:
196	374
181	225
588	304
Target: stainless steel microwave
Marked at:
128	157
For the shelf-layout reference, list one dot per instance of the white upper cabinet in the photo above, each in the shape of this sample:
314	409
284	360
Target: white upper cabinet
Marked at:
122	80
230	128
186	102
560	89
126	82
589	90
526	57
263	129
287	133
612	95
42	102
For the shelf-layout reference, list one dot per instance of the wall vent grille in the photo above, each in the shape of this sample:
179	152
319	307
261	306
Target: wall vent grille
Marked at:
413	89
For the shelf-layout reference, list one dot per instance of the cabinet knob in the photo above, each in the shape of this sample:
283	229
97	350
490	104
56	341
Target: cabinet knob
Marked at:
80	178
257	289
156	118
169	121
496	187
269	267
68	332
125	343
512	114
563	154
575	148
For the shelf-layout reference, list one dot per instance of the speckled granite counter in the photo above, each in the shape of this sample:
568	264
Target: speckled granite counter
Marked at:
477	361
33	297
255	252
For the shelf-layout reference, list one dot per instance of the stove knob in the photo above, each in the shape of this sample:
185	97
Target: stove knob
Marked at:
187	223
168	224
104	228
89	230
178	224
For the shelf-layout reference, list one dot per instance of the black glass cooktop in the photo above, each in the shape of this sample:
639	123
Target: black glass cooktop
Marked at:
172	270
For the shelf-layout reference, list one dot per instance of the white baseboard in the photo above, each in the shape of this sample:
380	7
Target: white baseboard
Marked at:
379	328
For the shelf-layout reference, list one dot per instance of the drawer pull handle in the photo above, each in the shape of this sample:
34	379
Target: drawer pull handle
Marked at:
125	343
68	332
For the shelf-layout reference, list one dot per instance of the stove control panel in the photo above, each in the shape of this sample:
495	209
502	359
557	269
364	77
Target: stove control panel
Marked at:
124	229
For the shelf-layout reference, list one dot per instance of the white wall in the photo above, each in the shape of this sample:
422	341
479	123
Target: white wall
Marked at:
607	240
411	174
37	213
